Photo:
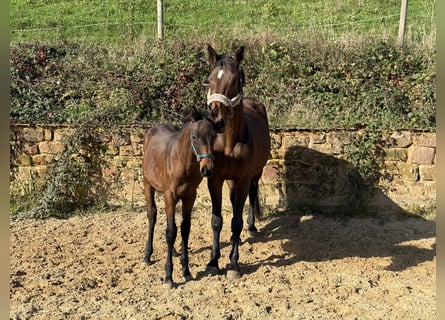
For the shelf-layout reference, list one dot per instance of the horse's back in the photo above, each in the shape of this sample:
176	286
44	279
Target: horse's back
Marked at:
157	135
258	127
256	105
156	150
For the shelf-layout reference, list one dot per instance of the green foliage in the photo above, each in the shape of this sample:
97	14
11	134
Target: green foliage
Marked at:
303	84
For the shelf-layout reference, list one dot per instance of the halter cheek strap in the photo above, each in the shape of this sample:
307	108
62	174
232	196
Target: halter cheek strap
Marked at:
200	156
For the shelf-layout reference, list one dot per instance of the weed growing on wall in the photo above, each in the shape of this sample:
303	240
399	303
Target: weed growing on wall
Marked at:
366	154
76	179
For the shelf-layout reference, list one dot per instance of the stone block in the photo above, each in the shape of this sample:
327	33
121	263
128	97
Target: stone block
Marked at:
32	135
42	159
272	173
136	138
426	140
318	138
423	155
47	134
396	154
23	160
400	140
409	172
289	141
126	150
275	141
30	149
61	134
427	172
51	147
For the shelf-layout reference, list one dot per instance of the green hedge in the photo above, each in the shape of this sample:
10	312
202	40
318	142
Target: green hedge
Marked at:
303	84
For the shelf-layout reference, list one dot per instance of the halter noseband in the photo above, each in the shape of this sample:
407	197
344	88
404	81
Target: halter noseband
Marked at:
200	156
223	99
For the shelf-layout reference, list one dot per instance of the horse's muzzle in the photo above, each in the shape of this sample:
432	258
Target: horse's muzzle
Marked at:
207	172
220	126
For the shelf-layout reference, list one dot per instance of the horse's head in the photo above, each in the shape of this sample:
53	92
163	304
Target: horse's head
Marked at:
202	138
226	85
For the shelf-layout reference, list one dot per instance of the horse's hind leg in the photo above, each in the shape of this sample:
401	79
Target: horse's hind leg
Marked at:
187	206
254	208
149	192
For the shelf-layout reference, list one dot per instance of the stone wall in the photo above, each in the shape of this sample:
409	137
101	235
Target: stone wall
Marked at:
308	170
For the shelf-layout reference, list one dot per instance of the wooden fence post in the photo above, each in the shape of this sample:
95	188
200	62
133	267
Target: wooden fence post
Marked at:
160	20
402	23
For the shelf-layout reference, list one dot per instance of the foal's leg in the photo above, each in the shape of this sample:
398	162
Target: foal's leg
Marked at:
187	206
215	190
238	195
149	192
170	235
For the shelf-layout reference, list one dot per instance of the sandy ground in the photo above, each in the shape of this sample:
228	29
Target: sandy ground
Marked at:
299	267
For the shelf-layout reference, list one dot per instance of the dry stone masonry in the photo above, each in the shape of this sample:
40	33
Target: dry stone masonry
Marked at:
308	171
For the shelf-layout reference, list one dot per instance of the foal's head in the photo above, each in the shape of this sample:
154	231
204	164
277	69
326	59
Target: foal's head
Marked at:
226	85
202	137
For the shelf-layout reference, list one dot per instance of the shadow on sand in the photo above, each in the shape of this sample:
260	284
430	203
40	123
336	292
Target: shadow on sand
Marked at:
328	217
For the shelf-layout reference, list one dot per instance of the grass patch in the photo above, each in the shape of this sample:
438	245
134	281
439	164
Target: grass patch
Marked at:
114	22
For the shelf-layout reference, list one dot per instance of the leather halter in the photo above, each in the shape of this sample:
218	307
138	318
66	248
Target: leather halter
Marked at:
200	156
224	99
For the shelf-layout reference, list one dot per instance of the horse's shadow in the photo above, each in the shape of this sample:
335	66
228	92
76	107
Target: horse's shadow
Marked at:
326	238
324	219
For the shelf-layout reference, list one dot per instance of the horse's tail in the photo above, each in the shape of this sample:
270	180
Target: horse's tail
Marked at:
254	198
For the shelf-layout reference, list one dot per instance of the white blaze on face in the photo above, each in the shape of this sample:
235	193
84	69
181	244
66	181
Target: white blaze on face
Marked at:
220	73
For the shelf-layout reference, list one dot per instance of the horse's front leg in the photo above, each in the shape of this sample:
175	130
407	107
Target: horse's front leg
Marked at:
215	190
187	206
170	235
149	192
238	195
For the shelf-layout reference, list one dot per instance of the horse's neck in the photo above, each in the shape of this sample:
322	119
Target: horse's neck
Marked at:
234	130
183	143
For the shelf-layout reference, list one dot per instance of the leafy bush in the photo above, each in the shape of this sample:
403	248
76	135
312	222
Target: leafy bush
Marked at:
304	85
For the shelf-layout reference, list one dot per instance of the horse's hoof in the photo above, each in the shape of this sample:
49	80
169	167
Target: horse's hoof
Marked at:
253	233
168	285
147	261
211	270
188	277
233	275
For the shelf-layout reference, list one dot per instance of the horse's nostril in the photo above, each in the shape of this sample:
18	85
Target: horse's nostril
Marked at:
220	125
206	172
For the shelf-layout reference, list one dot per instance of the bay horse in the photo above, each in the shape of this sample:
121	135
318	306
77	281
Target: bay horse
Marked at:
175	162
242	148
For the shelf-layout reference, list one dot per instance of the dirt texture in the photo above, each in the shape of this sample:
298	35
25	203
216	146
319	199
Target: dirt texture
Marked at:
298	267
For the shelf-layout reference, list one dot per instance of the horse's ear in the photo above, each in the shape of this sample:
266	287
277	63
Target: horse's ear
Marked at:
239	55
212	56
190	114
